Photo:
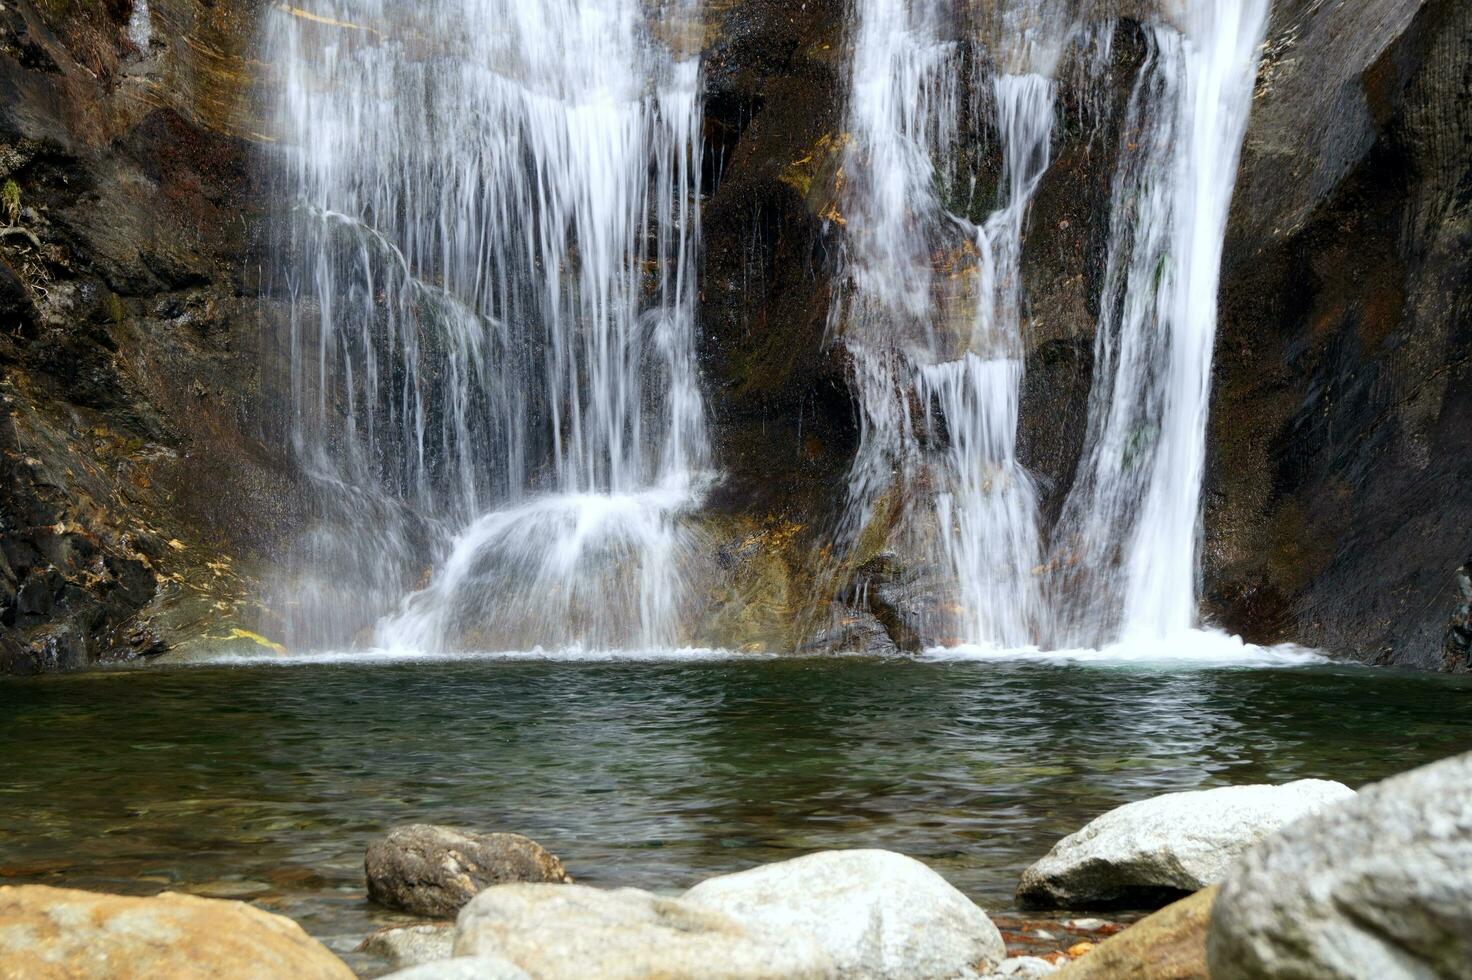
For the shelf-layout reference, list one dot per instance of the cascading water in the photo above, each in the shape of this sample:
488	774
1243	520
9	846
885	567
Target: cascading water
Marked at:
1130	534
490	269
939	404
949	339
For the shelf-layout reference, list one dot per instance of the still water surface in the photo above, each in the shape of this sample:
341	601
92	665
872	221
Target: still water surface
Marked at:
266	782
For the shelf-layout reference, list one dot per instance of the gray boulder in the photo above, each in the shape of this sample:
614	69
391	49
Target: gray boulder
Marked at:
434	871
571	932
464	968
411	945
876	913
1379	887
1150	853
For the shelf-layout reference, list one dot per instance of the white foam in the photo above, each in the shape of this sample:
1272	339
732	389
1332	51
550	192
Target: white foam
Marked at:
403	655
1188	648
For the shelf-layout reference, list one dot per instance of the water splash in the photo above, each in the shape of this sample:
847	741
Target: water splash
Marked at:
490	268
1129	540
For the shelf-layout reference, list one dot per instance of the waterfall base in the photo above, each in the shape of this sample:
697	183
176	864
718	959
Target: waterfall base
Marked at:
595	571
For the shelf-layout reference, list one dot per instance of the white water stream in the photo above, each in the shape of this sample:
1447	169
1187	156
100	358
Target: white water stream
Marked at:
939	388
491	271
490	266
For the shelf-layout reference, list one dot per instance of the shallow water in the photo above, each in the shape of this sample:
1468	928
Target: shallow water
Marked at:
265	782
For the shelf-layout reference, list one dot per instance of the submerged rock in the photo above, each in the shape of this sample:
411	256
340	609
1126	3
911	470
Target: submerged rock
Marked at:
876	913
464	968
1169	945
1457	648
77	935
434	871
572	932
1380	886
1021	968
1149	853
412	945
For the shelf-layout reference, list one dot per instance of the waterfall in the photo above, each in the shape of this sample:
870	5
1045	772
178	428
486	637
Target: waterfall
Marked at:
489	265
1130	534
937	343
930	310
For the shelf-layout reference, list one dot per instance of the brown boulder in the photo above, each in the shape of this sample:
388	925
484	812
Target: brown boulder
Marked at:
1169	945
76	935
433	871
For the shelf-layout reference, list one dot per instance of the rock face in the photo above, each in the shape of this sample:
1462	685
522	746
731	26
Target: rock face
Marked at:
1379	887
1148	853
434	871
1169	945
571	932
412	945
1341	425
75	935
876	913
134	482
1457	650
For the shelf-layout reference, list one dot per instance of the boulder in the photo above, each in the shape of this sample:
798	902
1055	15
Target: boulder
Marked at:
1169	945
876	913
1153	852
464	968
412	945
1378	887
1021	968
571	932
75	935
434	871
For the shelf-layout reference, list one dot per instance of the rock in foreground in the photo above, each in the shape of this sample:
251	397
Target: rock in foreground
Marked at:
1379	887
408	946
571	932
59	933
1169	945
876	913
464	968
434	871
1153	852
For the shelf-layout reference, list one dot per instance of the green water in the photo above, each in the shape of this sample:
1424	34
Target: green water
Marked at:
266	782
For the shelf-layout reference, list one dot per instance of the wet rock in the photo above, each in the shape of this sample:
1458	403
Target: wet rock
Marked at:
464	968
877	913
1457	650
1021	968
1379	886
408	946
1149	853
75	935
434	871
571	932
1169	945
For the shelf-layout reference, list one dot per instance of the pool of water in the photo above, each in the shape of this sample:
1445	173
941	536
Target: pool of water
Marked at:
266	781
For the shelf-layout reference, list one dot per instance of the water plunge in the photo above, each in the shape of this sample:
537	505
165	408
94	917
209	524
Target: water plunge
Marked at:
490	270
1131	527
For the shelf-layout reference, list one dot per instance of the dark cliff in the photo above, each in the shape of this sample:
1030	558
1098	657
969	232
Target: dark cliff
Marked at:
139	492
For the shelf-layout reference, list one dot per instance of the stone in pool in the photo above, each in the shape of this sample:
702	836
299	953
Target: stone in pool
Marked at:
572	932
1379	887
407	946
464	968
1150	853
877	913
76	935
433	871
